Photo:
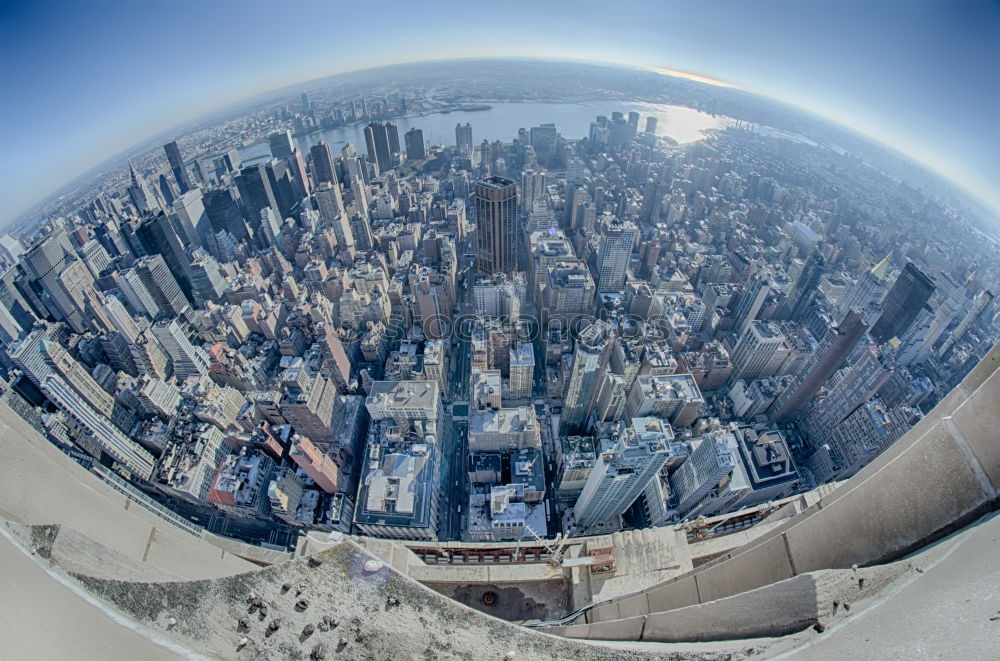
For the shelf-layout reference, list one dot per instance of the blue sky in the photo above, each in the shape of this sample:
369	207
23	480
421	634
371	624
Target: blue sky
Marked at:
84	80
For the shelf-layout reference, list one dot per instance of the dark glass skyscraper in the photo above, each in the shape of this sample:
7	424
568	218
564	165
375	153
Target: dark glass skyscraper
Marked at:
322	164
224	213
177	166
414	139
912	289
158	236
377	143
496	220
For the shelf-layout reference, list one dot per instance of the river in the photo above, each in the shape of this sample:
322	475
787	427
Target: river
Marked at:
502	121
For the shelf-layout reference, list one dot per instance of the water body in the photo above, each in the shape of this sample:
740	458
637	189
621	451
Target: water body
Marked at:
502	121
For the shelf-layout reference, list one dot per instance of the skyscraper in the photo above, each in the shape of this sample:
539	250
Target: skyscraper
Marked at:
97	428
463	138
496	222
377	143
177	167
590	360
224	214
833	349
281	144
256	193
392	133
159	281
625	465
322	164
158	236
908	295
867	293
414	139
188	360
617	240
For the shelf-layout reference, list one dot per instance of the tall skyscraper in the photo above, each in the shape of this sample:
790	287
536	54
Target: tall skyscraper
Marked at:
751	300
177	167
589	361
867	293
158	236
392	134
496	222
188	360
224	214
463	138
860	381
159	281
833	349
140	194
322	164
910	292
651	124
256	193
617	240
190	211
377	143
415	145
624	467
281	144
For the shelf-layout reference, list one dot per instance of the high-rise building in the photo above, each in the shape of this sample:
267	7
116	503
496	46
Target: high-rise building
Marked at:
158	236
463	138
651	124
224	214
188	360
910	292
860	381
624	467
834	347
256	193
323	169
98	429
281	144
377	143
867	293
617	240
177	167
760	351
189	208
496	222
392	133
589	360
140	194
522	371
320	467
751	300
415	150
158	280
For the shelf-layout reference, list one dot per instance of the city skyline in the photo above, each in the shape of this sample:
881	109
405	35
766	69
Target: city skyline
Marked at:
879	89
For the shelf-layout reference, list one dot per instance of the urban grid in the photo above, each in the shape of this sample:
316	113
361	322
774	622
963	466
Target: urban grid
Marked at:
511	341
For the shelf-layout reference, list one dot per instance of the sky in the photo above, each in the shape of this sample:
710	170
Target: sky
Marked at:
83	81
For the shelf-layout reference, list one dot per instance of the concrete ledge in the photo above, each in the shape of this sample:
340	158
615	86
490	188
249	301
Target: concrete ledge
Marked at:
782	608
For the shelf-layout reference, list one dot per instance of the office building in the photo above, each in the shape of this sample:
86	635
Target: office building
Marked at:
177	167
415	150
97	429
188	360
159	282
589	361
626	464
377	143
496	225
617	240
902	304
463	138
281	144
323	169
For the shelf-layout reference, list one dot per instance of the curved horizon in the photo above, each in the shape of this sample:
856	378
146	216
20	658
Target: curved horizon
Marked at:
178	130
915	76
